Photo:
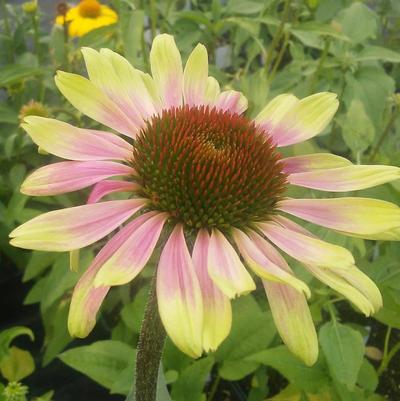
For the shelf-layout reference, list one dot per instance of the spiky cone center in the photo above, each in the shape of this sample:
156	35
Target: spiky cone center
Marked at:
89	8
208	168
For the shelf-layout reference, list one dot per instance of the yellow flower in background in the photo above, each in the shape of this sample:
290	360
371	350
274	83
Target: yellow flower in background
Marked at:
86	16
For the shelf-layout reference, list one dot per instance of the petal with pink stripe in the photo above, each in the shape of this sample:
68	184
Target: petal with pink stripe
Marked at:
231	101
293	320
360	216
75	227
107	187
225	267
128	261
217	319
312	162
255	251
289	121
179	295
90	100
307	249
86	298
195	76
343	179
166	68
69	142
59	178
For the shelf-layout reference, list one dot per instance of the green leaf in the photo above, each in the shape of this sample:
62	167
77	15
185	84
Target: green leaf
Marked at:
8	115
357	129
244	7
12	74
358	22
306	378
252	331
236	370
378	53
189	385
6	336
17	365
319	29
367	377
102	361
132	28
343	348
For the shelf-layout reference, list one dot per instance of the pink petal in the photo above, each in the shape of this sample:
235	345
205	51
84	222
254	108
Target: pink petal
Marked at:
87	299
225	267
307	249
69	142
131	257
75	227
216	306
107	187
231	101
59	178
179	295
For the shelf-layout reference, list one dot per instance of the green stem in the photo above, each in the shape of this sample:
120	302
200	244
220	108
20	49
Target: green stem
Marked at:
153	18
385	133
385	350
279	58
7	31
36	36
149	350
385	363
277	36
214	388
321	62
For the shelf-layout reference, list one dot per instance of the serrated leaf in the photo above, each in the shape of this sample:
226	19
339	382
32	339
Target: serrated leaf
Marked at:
343	348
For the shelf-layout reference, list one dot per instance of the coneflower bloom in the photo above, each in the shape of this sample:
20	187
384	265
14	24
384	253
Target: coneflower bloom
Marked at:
87	16
195	168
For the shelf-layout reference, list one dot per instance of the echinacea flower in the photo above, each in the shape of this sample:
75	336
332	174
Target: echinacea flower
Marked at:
87	16
195	168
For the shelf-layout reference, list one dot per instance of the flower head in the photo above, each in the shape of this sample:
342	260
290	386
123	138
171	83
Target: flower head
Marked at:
214	182
86	16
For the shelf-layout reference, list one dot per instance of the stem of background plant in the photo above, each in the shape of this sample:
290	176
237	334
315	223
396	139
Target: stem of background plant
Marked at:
387	355
385	133
277	37
279	57
214	388
320	64
153	18
7	32
149	350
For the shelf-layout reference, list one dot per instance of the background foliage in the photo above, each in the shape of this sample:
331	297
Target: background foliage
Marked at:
263	48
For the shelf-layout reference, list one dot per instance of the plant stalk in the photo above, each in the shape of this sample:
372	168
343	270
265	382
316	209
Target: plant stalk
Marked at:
149	350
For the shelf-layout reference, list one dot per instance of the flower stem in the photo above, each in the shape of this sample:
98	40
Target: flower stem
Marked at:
149	350
321	62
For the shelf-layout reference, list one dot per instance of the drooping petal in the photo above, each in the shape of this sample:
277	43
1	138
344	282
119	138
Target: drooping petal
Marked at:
312	162
232	101
59	178
289	121
86	298
217	318
225	267
130	258
343	179
179	295
107	187
255	252
307	249
293	320
360	216
212	90
353	284
90	100
75	227
166	68
195	76
69	142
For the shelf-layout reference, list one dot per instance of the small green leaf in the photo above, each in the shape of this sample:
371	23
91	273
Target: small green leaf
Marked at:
17	365
343	348
6	336
12	74
378	53
367	377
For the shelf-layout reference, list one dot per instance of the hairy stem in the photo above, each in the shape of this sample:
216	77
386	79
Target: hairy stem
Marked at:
149	350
